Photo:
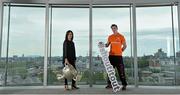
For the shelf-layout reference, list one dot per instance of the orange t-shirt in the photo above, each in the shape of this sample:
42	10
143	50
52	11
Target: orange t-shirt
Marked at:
116	41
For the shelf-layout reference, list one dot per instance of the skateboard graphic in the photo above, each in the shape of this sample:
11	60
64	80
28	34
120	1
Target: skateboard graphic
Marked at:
109	68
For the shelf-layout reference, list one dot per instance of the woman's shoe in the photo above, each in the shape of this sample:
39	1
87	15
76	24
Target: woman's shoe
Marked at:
66	87
74	87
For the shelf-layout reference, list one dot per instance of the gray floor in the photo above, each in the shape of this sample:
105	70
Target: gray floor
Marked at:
96	89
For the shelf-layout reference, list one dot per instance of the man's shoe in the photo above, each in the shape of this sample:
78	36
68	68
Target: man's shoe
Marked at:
124	87
108	87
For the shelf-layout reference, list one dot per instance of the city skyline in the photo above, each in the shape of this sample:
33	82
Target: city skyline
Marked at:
98	55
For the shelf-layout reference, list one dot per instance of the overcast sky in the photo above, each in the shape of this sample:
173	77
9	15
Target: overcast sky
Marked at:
27	29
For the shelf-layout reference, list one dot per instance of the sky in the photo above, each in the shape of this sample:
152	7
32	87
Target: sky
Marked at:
27	29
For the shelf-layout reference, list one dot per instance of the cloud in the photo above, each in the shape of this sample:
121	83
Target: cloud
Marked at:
28	28
155	18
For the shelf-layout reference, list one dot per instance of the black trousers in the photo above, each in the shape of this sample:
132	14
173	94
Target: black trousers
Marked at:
117	62
65	80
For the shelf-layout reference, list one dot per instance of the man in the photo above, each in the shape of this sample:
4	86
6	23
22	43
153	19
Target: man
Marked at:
117	44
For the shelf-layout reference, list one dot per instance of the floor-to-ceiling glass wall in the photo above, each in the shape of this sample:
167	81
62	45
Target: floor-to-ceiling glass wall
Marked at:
22	58
62	19
103	17
23	45
155	45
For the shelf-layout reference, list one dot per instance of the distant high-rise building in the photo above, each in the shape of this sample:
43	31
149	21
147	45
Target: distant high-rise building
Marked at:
87	66
168	46
15	56
22	55
160	54
178	54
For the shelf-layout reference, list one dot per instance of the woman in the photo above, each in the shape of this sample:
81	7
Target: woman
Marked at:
69	56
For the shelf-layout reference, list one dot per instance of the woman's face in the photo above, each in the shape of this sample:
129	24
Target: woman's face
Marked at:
70	36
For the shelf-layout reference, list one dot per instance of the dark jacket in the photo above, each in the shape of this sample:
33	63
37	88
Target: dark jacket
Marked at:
69	52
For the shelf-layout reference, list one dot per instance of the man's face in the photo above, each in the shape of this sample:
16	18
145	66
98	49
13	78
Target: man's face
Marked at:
114	29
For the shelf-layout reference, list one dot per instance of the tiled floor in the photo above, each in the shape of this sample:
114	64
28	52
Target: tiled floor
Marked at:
96	89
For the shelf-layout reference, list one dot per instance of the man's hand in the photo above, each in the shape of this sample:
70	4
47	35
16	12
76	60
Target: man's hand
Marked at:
124	46
107	44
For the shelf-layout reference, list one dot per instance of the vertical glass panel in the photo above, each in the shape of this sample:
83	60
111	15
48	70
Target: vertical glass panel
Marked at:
155	46
26	45
77	20
103	18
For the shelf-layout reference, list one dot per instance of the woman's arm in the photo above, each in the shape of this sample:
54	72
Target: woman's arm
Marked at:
65	52
75	51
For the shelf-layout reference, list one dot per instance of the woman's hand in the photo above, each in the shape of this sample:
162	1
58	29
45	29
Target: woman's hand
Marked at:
66	61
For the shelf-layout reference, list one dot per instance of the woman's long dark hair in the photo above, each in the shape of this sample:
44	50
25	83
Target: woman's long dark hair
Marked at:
67	33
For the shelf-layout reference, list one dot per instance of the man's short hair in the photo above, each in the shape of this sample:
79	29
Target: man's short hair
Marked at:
114	25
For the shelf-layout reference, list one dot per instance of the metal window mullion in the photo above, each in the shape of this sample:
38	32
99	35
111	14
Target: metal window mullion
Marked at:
135	44
174	52
131	41
7	50
178	9
50	44
1	25
46	44
90	43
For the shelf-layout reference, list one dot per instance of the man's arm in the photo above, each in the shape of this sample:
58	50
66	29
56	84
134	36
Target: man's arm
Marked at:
124	46
107	44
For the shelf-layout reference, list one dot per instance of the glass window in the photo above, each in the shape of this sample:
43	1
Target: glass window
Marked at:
155	46
103	18
26	45
77	20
